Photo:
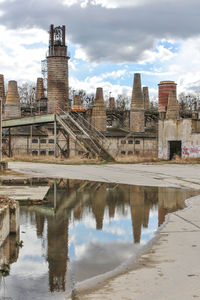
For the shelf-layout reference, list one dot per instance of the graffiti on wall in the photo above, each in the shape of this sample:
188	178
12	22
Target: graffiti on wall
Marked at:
191	151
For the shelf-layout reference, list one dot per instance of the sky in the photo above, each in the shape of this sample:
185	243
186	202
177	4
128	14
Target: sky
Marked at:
108	41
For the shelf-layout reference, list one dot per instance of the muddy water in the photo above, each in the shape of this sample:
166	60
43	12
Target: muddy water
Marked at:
85	229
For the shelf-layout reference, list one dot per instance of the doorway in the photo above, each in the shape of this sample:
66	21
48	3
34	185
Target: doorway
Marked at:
175	149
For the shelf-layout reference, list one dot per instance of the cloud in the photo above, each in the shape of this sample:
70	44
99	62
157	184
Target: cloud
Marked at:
21	53
117	35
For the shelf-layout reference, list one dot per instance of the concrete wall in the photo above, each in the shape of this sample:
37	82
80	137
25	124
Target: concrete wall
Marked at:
9	221
178	130
118	146
4	224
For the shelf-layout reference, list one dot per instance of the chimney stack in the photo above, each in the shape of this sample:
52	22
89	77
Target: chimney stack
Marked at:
77	100
137	106
146	97
2	89
173	106
111	103
99	111
12	104
40	89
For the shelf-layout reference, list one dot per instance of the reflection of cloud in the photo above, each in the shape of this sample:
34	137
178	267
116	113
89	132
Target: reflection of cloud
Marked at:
97	258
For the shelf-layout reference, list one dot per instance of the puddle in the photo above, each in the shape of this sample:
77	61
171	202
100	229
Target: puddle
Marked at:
83	230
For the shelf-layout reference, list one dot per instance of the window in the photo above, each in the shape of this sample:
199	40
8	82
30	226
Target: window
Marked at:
43	152
51	141
43	141
123	142
130	142
123	152
137	142
34	141
3	141
51	152
130	152
34	152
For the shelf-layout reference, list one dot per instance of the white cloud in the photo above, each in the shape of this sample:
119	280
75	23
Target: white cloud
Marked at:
21	52
91	83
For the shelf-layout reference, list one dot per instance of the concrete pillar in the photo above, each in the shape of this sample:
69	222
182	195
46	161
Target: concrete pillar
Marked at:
146	97
99	111
12	105
137	106
173	106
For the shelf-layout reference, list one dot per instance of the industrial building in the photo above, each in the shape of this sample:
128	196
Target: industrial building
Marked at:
58	126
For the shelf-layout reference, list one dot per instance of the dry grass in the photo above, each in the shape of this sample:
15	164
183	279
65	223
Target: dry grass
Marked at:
78	160
52	160
135	159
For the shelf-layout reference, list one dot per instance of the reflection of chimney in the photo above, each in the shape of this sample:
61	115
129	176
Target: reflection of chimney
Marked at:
78	212
2	89
111	103
39	224
146	97
173	106
137	106
39	89
12	104
137	210
98	206
57	254
99	111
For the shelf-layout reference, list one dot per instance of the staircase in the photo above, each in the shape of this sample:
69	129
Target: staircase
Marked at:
90	140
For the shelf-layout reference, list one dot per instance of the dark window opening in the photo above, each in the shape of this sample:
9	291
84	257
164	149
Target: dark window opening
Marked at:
51	152
137	142
34	152
130	152
123	152
43	152
34	141
51	141
43	141
130	141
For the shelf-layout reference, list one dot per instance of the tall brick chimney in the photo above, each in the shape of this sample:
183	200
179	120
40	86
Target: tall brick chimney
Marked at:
57	61
173	106
111	103
146	97
2	89
137	106
77	100
99	111
39	89
12	105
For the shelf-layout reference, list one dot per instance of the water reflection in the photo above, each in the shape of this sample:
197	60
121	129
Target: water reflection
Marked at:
85	229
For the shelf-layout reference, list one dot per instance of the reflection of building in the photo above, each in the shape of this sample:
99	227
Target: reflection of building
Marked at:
170	200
